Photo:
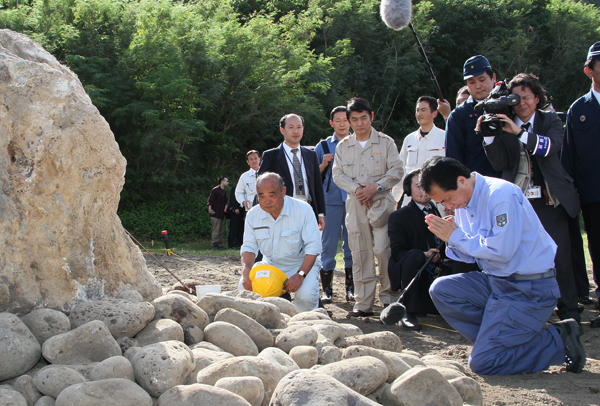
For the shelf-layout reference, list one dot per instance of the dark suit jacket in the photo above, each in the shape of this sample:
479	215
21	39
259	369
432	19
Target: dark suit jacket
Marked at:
547	124
274	160
407	230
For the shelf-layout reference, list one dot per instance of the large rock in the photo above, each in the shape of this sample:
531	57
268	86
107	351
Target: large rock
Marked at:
280	358
305	387
91	342
357	351
296	335
363	374
469	390
382	340
250	388
259	334
123	318
161	330
19	349
46	401
9	397
268	373
305	356
285	306
108	392
61	173
266	314
158	367
231	338
53	379
180	309
26	387
204	358
421	386
113	367
46	323
198	394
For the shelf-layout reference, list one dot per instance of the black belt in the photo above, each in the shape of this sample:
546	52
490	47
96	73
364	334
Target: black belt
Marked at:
548	274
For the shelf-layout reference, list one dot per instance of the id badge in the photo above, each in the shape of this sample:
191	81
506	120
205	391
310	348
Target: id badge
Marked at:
534	192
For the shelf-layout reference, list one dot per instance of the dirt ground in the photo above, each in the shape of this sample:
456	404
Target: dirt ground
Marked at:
554	386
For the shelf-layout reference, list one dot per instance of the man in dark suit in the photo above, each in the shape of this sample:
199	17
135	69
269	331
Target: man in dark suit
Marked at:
298	166
412	244
551	191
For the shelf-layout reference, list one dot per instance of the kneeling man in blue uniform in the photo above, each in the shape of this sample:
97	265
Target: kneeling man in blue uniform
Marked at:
502	310
285	230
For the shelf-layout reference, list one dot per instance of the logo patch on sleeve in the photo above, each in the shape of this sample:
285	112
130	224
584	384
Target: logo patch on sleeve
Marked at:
501	220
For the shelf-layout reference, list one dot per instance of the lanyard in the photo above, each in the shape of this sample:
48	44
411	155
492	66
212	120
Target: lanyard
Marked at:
301	186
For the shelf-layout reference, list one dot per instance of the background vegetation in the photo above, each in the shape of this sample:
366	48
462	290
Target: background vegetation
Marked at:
189	86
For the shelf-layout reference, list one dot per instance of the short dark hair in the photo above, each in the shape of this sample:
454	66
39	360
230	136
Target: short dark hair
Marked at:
270	175
221	179
590	63
407	182
358	105
463	90
337	110
529	80
284	118
252	151
443	172
433	105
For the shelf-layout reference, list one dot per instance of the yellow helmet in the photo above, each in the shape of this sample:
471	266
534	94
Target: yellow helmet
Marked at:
267	280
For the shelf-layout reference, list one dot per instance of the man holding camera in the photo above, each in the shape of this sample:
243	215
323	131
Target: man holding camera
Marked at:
550	189
462	143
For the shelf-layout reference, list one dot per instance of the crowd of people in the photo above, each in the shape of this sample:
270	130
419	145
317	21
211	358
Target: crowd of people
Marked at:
476	223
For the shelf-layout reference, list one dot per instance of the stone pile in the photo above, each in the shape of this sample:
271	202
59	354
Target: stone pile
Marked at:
228	349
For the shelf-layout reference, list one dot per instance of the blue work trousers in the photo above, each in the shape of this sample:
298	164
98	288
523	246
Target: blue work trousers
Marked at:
335	223
503	319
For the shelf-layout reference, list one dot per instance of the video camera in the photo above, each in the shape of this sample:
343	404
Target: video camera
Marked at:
498	102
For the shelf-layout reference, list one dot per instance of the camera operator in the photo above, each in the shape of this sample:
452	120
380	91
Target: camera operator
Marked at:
550	189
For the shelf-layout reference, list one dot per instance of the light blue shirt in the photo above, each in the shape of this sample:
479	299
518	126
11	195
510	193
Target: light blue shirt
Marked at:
335	196
286	240
499	230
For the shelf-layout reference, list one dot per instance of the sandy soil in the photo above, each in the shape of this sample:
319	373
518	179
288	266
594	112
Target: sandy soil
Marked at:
554	386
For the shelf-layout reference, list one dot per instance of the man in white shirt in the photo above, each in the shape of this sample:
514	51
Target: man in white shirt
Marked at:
428	141
246	186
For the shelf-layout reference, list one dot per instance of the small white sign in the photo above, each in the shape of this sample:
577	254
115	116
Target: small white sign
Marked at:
262	274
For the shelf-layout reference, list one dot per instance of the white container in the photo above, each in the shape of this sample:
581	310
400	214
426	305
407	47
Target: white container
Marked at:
202	290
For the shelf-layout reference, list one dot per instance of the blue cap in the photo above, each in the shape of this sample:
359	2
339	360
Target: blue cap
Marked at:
594	52
475	66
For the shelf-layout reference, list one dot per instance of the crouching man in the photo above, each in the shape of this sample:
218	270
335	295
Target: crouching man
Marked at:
503	309
286	232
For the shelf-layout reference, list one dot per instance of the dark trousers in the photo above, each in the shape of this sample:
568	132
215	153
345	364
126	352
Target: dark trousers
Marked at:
236	229
582	283
416	299
591	220
556	223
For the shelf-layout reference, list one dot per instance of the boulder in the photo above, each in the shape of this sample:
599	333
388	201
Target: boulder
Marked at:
329	355
250	388
53	379
26	387
356	351
411	360
204	358
329	329
91	342
434	360
113	367
268	373
10	397
207	346
285	306
19	349
107	392
192	335
259	334
265	314
311	315
198	394
279	358
231	338
350	329
46	401
306	387
421	386
305	356
447	373
244	294
188	296
46	323
364	374
161	366
131	295
160	330
123	318
61	174
180	309
468	389
382	340
294	336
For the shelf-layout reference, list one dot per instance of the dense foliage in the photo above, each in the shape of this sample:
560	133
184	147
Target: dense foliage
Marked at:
189	86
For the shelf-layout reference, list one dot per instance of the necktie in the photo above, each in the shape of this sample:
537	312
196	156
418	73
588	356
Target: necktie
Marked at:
298	183
428	210
526	126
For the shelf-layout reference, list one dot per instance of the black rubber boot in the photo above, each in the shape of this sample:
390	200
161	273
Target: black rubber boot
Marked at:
349	285
327	283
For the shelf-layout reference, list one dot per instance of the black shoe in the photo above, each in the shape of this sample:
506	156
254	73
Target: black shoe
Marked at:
327	283
570	331
411	322
595	322
586	300
349	285
358	313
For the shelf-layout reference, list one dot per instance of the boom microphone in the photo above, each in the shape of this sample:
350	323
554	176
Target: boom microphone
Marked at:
396	14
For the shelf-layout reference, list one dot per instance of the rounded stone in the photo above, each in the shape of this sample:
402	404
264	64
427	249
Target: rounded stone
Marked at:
285	306
53	379
382	340
296	335
421	386
46	323
46	401
305	356
364	374
107	392
199	394
469	390
180	309
259	334
160	330
113	367
279	358
19	349
231	338
250	388
10	397
130	295
266	314
204	358
357	351
26	387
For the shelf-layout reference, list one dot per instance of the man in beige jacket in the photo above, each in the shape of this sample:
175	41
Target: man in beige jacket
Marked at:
367	165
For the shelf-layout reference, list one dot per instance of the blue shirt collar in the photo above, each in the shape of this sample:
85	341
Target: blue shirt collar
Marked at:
476	191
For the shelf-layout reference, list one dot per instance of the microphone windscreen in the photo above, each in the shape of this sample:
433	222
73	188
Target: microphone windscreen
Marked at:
396	14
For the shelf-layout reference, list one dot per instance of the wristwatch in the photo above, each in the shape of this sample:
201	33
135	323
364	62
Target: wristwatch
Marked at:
302	274
379	188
